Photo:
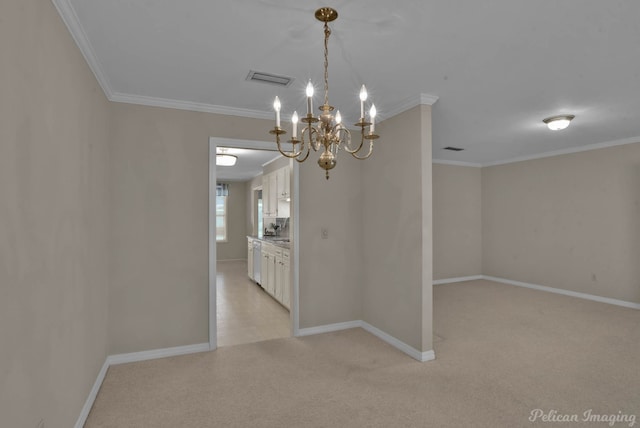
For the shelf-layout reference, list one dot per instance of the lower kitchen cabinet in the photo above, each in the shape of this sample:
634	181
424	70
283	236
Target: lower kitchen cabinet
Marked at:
276	273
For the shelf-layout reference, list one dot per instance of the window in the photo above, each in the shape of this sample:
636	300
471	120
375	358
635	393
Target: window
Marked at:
222	194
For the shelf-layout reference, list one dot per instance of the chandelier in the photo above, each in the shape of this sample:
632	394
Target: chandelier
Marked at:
326	132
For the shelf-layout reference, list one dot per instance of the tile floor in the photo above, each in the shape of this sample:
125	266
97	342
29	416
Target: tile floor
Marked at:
246	313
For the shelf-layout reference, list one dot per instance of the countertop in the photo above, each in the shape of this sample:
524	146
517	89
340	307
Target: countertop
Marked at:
274	240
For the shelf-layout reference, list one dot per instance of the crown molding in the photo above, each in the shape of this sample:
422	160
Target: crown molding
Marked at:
408	103
568	151
190	106
456	163
70	19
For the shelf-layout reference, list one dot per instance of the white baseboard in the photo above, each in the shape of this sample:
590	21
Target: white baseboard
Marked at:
88	404
564	292
327	328
130	358
458	279
156	353
398	344
385	337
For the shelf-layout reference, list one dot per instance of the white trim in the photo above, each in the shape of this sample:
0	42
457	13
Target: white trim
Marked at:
398	344
385	337
91	398
231	260
156	353
562	291
568	151
577	294
458	279
456	163
242	144
144	100
272	160
328	328
407	104
213	256
258	145
70	19
295	228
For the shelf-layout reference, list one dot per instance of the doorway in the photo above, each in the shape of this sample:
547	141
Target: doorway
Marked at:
214	275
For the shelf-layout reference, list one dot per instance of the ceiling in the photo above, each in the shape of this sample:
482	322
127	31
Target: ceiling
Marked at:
248	165
497	67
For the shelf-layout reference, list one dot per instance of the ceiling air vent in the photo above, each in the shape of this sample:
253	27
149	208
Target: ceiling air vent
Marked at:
271	79
454	149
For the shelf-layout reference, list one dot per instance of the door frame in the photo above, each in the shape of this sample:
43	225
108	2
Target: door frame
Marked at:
294	314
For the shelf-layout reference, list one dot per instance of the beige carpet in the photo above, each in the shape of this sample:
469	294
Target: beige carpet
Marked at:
502	352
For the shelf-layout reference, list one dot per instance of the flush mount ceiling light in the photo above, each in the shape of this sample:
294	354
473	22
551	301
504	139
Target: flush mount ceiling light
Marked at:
556	123
225	159
330	134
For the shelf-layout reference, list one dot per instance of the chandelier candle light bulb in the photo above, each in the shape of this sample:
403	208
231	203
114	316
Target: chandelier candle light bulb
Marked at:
309	97
363	98
294	121
372	115
276	106
325	132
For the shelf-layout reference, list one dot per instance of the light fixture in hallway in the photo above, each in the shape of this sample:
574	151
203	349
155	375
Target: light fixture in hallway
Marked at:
225	159
330	135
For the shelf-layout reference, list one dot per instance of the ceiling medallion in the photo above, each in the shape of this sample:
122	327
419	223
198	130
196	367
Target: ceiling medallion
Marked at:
330	135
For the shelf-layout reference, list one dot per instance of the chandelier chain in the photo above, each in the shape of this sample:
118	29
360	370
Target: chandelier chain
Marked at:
327	33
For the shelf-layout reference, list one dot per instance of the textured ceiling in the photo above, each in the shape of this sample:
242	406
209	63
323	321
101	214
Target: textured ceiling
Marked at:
498	67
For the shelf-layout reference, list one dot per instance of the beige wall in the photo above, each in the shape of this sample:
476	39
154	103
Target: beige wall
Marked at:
54	222
330	269
396	224
457	221
159	292
570	222
236	246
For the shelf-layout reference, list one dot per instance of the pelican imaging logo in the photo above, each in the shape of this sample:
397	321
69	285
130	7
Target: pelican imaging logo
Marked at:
539	415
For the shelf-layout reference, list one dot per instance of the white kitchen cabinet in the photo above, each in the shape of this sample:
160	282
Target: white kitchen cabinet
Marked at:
276	192
286	279
277	292
269	268
283	178
264	267
273	195
276	273
269	201
284	191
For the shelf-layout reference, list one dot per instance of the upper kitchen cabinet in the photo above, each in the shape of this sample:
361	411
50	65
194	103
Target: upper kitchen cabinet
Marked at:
283	176
276	193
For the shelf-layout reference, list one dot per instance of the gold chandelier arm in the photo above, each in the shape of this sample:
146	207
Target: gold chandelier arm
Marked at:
290	155
349	149
300	160
312	134
354	154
